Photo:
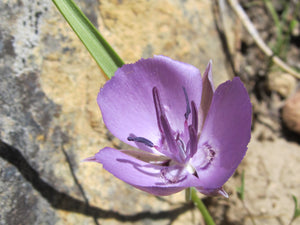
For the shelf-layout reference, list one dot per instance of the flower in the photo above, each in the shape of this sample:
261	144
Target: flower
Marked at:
186	133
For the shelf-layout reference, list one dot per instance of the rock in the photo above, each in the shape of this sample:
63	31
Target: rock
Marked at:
270	181
283	83
291	113
183	30
271	178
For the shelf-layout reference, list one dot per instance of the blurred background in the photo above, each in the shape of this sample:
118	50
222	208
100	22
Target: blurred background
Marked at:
50	121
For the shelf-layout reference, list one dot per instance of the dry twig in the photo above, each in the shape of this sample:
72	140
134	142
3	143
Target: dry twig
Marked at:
258	40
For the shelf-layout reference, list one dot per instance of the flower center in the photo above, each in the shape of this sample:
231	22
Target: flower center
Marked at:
178	146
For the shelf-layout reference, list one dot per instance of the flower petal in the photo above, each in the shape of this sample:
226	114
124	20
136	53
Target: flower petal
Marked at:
207	93
213	192
225	135
126	101
140	174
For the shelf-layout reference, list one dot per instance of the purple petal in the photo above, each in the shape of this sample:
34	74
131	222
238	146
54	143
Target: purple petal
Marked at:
225	135
126	100
213	192
142	175
207	93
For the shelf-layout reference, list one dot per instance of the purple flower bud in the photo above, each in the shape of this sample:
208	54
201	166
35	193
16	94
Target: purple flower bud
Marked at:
187	134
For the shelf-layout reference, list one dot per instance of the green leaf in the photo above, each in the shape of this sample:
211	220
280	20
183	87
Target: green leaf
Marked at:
241	189
296	210
293	24
102	52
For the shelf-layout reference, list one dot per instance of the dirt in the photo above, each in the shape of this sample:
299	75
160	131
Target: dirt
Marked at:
272	164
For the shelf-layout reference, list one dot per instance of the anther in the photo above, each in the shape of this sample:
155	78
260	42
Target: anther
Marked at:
141	140
193	141
158	108
194	117
188	108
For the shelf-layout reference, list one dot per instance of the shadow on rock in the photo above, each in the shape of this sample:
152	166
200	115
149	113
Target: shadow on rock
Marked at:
60	200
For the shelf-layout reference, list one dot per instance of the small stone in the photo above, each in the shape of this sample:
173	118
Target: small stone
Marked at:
283	83
291	113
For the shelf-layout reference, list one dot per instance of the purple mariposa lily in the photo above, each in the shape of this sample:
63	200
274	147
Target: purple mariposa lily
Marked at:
186	133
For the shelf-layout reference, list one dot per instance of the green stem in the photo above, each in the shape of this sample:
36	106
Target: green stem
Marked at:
188	196
200	205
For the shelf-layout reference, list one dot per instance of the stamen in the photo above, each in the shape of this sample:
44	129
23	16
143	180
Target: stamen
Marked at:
194	117
174	149
180	143
141	140
188	108
158	108
193	141
168	134
181	146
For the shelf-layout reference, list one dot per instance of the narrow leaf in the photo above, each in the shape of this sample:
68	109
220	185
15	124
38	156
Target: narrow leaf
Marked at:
297	209
102	52
241	189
